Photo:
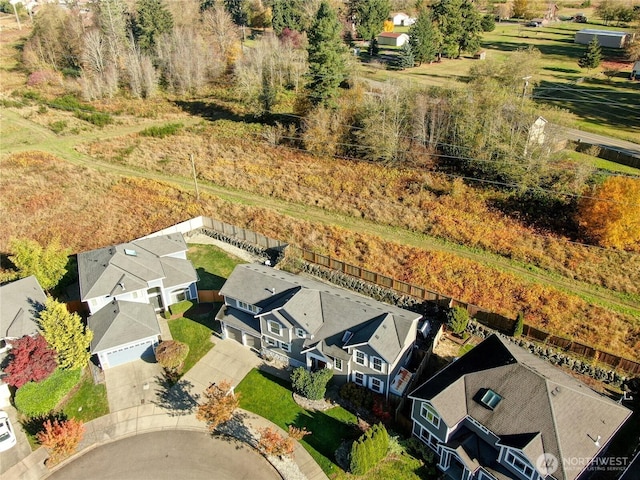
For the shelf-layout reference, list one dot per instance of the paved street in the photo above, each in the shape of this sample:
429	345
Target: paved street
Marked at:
169	455
602	141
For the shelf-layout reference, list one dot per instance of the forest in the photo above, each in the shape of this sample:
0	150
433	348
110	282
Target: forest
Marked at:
442	186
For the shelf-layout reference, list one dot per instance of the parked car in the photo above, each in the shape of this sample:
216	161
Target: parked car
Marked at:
534	24
7	435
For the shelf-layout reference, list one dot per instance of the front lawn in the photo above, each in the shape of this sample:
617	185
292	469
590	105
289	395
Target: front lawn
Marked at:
87	401
195	332
212	264
271	398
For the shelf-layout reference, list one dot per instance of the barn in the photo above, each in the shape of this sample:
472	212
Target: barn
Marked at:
606	38
393	39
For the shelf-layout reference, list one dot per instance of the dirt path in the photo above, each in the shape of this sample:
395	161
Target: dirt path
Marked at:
39	138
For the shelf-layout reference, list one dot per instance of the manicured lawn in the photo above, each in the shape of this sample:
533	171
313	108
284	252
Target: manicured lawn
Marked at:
212	264
271	398
88	401
195	332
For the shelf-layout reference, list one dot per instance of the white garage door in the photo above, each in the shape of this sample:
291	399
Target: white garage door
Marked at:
131	353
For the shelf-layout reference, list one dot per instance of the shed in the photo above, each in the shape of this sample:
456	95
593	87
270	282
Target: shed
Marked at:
635	71
401	19
393	39
606	38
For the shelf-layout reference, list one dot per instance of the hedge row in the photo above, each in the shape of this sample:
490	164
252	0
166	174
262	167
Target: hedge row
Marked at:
369	449
40	398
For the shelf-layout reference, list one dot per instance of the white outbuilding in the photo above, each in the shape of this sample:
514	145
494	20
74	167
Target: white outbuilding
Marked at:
606	38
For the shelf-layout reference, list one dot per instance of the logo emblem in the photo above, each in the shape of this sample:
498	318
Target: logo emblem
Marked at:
547	463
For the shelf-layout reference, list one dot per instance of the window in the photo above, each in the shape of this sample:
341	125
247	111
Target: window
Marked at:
285	346
337	364
248	307
271	342
429	414
358	378
376	385
518	464
300	332
376	363
426	436
361	358
274	327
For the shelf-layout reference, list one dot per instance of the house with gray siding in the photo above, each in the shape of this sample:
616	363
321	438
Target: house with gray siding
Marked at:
499	412
21	302
304	322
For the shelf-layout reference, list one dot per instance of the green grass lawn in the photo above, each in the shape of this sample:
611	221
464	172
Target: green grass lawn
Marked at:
88	401
601	163
195	332
271	398
212	264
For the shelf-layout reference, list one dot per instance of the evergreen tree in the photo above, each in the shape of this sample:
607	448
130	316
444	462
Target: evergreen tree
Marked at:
592	55
152	19
405	58
238	11
369	18
469	40
518	328
47	264
327	66
460	24
286	14
425	38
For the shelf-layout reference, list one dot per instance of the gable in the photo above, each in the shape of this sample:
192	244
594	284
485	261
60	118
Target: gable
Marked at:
122	322
20	303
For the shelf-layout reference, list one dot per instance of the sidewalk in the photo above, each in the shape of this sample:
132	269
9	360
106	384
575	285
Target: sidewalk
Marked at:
174	409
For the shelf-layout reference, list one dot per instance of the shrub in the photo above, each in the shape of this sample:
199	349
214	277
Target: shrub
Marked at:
171	354
457	320
369	449
219	405
60	438
272	443
97	118
358	396
42	397
59	126
43	77
180	307
70	103
518	328
162	130
312	385
31	360
488	23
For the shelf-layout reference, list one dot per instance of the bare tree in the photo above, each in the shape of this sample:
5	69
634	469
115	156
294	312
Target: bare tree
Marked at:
224	33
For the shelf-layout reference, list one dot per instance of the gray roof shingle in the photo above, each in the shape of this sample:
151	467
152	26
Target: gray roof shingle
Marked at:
20	303
122	322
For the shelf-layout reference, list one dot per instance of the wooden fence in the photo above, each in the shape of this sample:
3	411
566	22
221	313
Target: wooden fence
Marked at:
209	296
490	319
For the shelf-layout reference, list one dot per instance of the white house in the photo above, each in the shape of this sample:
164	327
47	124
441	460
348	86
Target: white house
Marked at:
393	39
401	19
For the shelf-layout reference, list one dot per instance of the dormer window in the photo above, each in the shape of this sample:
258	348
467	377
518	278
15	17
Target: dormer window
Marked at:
274	327
360	358
299	333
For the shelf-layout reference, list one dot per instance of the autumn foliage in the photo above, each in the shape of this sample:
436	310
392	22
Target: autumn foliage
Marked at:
171	354
60	438
271	442
31	360
218	406
610	214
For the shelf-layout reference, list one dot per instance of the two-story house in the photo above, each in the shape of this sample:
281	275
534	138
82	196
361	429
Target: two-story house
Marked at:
125	286
499	412
308	323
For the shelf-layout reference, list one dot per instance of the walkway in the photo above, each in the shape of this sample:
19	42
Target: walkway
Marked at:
174	409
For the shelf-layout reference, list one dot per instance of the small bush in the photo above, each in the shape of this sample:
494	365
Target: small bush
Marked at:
40	398
369	449
312	385
32	95
59	126
43	77
171	354
359	397
70	103
457	320
60	438
180	307
162	130
97	118
519	326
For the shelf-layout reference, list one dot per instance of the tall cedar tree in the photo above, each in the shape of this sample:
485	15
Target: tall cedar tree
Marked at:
460	24
609	214
30	360
66	334
592	55
425	38
327	66
218	406
286	14
152	19
370	16
47	264
60	438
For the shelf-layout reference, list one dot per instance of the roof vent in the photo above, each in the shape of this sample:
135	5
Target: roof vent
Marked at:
130	252
555	391
273	291
490	399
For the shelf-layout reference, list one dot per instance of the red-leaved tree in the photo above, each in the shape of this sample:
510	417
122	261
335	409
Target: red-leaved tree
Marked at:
31	360
60	438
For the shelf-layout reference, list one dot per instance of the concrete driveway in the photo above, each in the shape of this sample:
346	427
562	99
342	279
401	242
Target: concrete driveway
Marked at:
132	384
21	450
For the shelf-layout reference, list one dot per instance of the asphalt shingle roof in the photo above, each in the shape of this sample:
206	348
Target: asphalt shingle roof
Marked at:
20	302
122	322
543	410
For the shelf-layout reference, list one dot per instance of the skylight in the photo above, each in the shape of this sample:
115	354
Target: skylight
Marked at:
490	399
347	336
130	252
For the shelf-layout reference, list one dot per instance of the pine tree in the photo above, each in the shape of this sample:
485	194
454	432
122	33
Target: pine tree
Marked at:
518	328
327	66
592	55
66	334
152	19
425	38
370	16
405	57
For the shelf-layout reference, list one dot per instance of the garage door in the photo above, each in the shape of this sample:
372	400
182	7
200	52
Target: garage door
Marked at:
234	334
253	342
131	353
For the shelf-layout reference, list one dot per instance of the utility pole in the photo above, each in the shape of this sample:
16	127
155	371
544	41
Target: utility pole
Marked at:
13	4
526	85
195	177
